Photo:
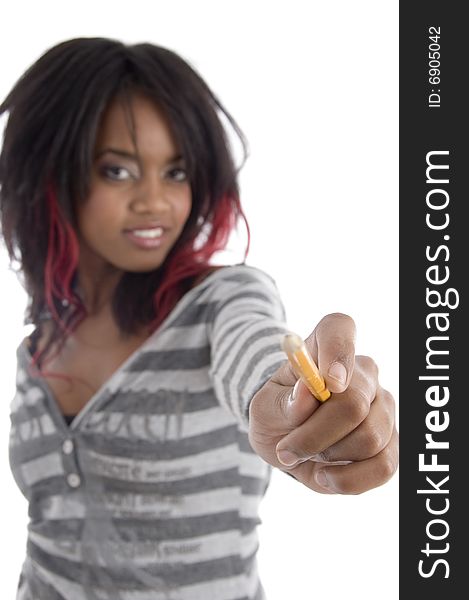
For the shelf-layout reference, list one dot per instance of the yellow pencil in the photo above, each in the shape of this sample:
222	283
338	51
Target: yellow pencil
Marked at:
304	366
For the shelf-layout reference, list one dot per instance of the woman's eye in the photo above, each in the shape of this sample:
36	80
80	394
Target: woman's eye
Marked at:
115	172
177	174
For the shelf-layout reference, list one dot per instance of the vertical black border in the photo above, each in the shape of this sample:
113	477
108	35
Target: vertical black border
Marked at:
424	128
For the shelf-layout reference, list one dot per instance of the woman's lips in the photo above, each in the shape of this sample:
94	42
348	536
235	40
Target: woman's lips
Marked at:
146	238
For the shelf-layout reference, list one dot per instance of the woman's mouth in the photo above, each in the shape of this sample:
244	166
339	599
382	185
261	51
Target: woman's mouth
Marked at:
146	238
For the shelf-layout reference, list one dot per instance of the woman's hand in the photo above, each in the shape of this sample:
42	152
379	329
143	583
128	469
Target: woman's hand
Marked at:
346	445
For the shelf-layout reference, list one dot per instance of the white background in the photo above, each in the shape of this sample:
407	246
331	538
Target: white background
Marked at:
314	86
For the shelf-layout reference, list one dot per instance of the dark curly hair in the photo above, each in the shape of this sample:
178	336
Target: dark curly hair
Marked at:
54	111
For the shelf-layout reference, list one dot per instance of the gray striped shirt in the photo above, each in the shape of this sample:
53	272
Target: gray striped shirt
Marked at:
153	491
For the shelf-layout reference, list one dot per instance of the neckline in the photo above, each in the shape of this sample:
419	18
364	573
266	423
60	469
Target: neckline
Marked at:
32	372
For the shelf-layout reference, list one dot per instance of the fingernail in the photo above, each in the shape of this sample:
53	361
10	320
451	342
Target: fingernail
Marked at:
287	457
293	395
321	478
338	372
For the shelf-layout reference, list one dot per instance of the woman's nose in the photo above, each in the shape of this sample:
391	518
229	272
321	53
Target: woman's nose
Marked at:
151	195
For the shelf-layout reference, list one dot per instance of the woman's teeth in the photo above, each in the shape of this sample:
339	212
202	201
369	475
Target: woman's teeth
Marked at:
148	233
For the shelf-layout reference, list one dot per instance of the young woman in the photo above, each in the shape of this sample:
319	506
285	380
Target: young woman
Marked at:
153	395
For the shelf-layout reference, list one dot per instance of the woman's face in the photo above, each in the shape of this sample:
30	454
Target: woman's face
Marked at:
140	198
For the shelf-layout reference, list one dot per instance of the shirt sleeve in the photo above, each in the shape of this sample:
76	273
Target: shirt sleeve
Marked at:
246	335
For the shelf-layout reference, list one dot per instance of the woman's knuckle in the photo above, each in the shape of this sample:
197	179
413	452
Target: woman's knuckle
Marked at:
368	365
373	440
387	463
358	407
389	401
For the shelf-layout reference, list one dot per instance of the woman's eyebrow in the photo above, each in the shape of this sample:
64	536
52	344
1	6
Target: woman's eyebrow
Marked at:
123	153
177	158
131	155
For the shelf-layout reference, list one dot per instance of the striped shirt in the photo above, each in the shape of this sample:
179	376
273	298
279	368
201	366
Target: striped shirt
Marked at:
153	490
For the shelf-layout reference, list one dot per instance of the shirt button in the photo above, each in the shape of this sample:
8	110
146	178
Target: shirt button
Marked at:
73	480
67	447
